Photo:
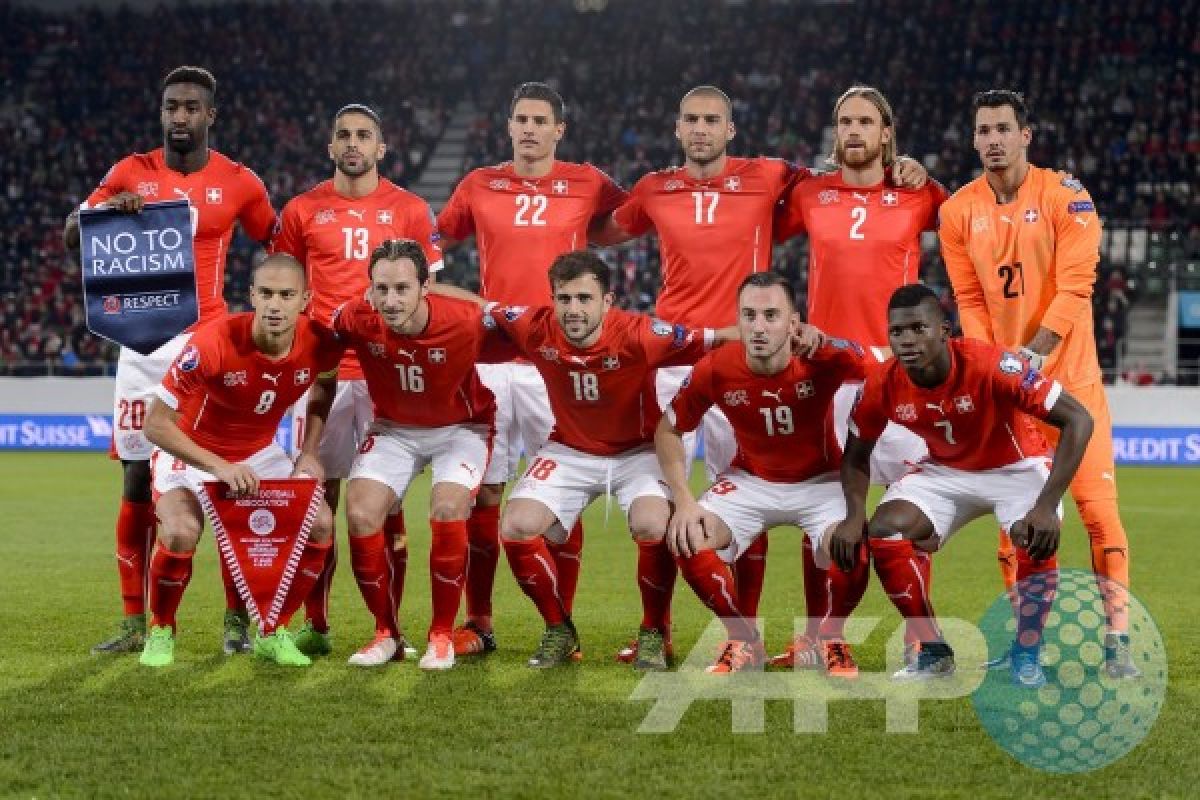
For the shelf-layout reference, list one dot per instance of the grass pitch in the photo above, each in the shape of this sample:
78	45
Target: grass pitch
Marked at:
74	725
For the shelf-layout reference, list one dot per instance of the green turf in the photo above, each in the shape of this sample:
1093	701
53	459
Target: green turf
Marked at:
76	725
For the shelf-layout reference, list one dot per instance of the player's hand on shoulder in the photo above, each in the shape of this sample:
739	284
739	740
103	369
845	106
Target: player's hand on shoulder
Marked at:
1038	532
126	202
908	173
688	529
843	543
309	466
238	477
807	340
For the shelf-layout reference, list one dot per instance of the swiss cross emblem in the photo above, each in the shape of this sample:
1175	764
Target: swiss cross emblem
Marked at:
383	218
559	187
733	183
212	195
963	404
890	199
805	389
1031	215
301	376
437	355
611	363
148	188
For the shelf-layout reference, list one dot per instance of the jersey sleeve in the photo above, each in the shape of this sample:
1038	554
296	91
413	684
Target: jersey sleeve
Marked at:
495	347
115	181
968	291
1029	390
1076	253
290	238
935	195
422	228
868	418
610	196
631	215
846	358
189	372
456	220
673	345
517	323
257	215
694	398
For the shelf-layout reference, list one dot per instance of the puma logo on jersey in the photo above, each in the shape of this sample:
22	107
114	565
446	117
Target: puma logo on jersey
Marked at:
411	355
1082	221
935	407
774	395
1005	219
580	360
356	213
862	198
274	379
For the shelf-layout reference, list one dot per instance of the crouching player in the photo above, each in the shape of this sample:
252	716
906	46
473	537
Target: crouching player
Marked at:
418	353
784	473
214	418
972	403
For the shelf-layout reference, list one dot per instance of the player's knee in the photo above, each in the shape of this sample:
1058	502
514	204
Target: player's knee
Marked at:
322	529
448	510
647	529
518	528
180	533
361	521
136	481
490	495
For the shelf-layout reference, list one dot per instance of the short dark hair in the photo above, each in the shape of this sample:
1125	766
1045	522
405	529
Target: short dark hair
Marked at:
710	91
913	295
576	264
196	75
532	90
396	249
359	108
767	280
999	98
280	260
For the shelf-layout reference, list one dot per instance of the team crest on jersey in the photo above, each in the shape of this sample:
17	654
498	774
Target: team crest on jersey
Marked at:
610	363
548	353
906	412
324	216
437	355
673	185
513	313
1072	183
1011	365
889	199
733	183
737	397
189	359
148	188
376	349
805	389
301	376
383	217
237	378
979	225
963	404
827	197
559	187
1031	215
499	184
213	195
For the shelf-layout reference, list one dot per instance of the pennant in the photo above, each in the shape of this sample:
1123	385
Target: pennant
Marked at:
261	538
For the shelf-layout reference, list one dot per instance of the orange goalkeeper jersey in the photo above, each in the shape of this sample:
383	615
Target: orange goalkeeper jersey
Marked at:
1027	264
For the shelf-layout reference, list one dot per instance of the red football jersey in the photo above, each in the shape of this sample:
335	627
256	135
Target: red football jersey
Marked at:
522	224
783	423
428	379
221	193
230	396
602	396
864	243
333	236
712	233
977	419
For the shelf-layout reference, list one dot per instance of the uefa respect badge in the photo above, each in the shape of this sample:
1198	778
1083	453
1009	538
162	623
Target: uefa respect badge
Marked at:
1082	718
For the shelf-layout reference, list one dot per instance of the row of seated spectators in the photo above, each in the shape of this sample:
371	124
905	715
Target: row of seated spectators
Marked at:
1113	97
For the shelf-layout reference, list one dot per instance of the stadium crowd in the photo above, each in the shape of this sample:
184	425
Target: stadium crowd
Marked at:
1112	94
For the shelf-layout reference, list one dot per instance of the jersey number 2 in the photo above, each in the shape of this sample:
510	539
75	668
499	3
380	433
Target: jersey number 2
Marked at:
1014	279
859	215
531	210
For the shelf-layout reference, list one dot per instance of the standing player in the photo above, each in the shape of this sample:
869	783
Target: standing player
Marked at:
523	214
215	418
969	401
221	193
1021	245
332	229
781	409
419	354
714	217
864	243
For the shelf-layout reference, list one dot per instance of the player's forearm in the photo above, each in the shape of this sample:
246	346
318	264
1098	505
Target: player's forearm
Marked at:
1065	310
605	231
725	335
446	290
1044	341
320	400
71	235
672	458
161	429
1076	426
856	477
